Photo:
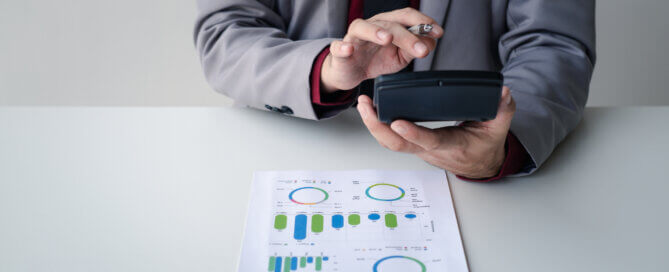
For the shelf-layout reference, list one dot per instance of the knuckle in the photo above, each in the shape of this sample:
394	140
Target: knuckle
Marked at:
408	10
384	24
351	27
355	24
396	146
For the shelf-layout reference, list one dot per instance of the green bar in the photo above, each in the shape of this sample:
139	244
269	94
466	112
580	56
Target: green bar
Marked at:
271	263
391	220
354	219
319	261
317	223
303	261
286	264
280	221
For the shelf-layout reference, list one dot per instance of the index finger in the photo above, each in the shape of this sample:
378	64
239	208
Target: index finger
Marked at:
410	17
366	31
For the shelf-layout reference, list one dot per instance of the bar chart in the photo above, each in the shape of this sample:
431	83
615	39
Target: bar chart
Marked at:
293	263
302	225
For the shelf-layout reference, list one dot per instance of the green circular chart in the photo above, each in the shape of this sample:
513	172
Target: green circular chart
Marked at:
385	192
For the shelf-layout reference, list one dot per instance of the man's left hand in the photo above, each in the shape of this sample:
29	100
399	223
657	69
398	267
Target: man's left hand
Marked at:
473	150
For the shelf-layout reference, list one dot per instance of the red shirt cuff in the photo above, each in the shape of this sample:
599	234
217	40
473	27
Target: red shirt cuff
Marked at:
516	158
339	98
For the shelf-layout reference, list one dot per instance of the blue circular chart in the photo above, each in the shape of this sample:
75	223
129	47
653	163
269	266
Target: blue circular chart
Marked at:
399	258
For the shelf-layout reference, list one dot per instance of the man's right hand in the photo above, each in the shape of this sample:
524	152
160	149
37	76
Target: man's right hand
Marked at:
376	46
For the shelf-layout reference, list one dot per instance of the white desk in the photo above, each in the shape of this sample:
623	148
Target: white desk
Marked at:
166	189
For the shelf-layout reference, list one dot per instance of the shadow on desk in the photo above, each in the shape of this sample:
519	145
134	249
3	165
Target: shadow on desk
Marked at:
347	122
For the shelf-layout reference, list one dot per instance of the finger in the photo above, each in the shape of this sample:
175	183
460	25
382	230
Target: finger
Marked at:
430	42
406	17
436	32
428	139
341	49
366	31
382	132
410	17
406	40
421	136
507	107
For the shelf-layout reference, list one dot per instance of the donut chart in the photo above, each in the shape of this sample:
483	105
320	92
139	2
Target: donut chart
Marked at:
400	259
308	195
384	192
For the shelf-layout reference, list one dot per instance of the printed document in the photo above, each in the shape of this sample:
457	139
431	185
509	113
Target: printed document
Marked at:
367	220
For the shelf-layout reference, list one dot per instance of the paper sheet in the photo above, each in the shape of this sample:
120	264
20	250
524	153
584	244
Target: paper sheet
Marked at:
380	221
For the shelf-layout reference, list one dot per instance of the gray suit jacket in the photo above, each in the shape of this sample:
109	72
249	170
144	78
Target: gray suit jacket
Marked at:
261	52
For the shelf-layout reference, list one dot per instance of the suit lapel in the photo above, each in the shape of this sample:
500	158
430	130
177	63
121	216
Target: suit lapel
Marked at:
437	9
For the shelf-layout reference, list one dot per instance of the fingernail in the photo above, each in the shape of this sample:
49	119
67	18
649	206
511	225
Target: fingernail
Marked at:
507	100
383	35
437	30
420	48
399	129
345	47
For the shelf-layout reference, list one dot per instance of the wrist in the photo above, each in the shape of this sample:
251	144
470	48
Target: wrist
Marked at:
327	86
497	162
486	167
503	162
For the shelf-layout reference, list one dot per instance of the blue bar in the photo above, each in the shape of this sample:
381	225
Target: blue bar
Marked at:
325	258
300	227
373	216
277	267
337	221
310	259
410	215
293	263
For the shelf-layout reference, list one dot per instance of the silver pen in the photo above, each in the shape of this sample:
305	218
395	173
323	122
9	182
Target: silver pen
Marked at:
421	29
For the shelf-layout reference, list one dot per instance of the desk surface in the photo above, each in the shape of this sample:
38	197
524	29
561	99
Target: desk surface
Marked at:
165	189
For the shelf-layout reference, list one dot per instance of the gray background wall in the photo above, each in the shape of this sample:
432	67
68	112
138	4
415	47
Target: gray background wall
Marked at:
140	52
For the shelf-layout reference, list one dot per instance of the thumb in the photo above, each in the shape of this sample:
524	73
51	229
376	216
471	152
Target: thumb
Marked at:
505	111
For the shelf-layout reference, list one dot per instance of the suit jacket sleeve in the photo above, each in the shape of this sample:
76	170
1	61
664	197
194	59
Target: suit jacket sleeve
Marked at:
247	55
548	55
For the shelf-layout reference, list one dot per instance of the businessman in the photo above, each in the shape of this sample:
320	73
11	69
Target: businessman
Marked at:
310	59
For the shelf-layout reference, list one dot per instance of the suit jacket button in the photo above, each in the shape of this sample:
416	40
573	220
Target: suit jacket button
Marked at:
286	110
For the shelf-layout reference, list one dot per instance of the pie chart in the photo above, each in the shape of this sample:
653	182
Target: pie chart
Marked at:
385	192
399	263
308	195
